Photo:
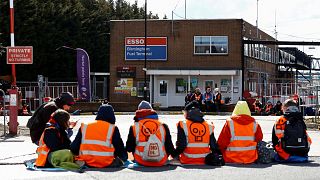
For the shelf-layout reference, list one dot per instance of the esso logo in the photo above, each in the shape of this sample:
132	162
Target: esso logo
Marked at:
135	41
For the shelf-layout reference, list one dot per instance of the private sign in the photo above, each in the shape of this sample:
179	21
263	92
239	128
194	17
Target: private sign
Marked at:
20	55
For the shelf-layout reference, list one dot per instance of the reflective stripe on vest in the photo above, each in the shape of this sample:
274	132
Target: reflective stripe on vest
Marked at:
195	152
97	142
96	153
96	147
196	155
244	138
241	148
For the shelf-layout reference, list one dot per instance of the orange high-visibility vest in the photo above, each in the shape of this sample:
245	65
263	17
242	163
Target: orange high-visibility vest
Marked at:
279	131
25	110
198	141
42	150
142	135
197	97
242	147
96	147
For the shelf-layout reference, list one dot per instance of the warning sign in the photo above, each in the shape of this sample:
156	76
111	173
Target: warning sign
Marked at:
20	55
126	82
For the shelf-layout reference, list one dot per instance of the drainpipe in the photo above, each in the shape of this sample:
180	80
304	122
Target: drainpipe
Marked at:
242	60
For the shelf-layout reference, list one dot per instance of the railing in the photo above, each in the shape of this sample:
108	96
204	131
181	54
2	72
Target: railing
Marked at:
30	91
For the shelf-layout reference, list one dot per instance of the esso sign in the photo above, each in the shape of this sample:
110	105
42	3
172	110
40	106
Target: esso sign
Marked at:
135	41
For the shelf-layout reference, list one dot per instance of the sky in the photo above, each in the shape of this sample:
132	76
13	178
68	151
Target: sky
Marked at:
295	20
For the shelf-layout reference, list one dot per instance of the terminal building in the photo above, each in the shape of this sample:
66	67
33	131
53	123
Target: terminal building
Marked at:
186	54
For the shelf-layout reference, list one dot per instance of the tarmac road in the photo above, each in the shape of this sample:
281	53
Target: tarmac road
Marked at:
13	151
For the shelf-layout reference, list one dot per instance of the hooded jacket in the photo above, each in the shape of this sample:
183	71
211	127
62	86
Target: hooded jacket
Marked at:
193	115
105	113
242	115
148	114
225	135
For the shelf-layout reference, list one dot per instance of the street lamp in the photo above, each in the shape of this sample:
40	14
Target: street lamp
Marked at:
145	52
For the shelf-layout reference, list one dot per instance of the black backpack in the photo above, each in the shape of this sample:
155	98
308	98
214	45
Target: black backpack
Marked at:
295	140
34	120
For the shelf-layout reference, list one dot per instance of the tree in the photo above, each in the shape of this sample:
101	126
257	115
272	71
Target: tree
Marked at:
165	17
47	25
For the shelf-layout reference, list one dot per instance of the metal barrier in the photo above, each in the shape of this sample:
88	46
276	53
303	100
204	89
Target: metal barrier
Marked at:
30	91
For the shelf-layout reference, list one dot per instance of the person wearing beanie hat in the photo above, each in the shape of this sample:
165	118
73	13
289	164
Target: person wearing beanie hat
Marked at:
54	137
114	153
144	105
37	122
239	136
146	123
193	131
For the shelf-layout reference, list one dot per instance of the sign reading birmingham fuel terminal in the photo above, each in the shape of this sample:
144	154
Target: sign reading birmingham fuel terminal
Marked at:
156	48
20	55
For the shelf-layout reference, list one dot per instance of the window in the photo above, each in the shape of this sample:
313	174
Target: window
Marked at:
181	85
163	87
140	85
210	44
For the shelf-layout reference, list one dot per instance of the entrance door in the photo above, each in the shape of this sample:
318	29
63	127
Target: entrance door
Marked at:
163	93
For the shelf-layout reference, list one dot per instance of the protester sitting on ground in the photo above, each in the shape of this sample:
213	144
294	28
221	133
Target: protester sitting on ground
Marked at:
218	99
239	136
25	111
289	135
99	143
268	108
197	96
55	138
37	122
208	99
195	140
149	140
257	107
278	109
187	98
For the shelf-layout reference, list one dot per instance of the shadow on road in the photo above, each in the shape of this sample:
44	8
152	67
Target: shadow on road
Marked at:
250	165
104	169
154	169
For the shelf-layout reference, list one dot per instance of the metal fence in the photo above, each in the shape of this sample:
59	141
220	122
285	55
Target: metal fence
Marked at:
30	91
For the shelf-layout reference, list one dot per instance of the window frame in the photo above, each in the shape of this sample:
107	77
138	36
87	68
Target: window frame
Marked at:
210	45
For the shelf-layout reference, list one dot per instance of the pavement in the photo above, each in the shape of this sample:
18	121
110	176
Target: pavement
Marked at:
15	150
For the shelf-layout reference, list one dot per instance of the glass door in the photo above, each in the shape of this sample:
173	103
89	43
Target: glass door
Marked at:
163	93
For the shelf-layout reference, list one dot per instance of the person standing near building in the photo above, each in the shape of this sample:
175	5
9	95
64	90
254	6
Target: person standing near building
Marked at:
37	122
217	100
195	139
240	135
208	99
289	135
99	143
149	140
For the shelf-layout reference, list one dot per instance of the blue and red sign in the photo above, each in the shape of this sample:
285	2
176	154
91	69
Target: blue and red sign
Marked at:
156	48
